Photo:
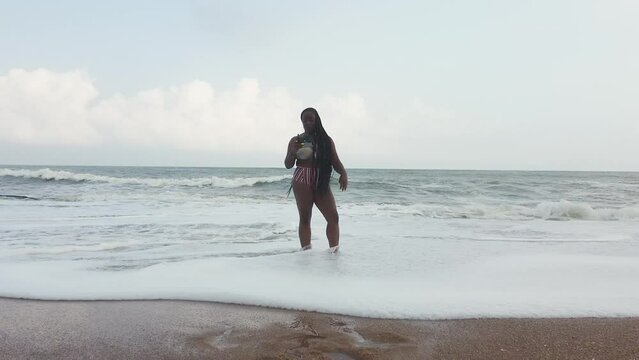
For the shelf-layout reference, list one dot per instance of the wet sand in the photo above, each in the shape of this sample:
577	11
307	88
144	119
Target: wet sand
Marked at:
158	329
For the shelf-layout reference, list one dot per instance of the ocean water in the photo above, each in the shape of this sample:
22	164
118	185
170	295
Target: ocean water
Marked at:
415	244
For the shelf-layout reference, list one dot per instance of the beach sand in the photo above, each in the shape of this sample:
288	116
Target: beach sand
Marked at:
162	329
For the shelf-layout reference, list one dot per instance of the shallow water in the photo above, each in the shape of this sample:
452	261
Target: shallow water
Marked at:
414	244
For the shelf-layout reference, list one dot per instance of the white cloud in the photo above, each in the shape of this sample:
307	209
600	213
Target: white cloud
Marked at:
42	107
250	125
194	117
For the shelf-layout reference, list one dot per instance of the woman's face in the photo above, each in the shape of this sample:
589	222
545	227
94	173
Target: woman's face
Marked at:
308	120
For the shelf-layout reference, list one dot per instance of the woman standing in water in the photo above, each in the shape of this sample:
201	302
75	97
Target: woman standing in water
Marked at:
315	155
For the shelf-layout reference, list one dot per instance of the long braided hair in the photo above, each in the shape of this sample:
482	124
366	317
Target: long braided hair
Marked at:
323	152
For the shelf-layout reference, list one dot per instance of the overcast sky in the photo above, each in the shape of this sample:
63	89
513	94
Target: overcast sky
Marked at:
399	84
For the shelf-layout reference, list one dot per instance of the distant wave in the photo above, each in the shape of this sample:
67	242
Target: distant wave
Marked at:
572	210
556	210
213	181
19	197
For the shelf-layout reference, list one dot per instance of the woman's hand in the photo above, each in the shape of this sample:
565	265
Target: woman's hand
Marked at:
293	146
343	182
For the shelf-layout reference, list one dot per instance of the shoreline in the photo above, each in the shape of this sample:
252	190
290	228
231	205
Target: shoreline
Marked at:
182	329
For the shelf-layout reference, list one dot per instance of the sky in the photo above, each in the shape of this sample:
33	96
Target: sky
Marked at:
511	85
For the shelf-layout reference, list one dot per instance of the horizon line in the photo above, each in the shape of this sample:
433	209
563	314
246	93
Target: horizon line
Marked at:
350	168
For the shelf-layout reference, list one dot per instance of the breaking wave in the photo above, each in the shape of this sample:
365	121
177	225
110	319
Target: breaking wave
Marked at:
556	210
212	181
566	210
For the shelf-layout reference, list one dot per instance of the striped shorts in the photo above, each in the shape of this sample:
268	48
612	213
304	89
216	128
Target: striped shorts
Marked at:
306	176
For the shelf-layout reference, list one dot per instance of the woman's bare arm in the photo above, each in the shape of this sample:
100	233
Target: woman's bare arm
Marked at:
339	167
289	160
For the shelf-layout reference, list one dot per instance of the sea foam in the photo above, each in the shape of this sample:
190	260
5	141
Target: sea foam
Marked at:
550	210
519	286
388	269
214	181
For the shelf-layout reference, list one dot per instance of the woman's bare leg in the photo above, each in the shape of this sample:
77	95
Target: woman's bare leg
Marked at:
326	204
304	198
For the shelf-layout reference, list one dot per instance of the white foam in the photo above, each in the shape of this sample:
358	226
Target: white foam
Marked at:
573	210
521	286
557	210
390	269
214	181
